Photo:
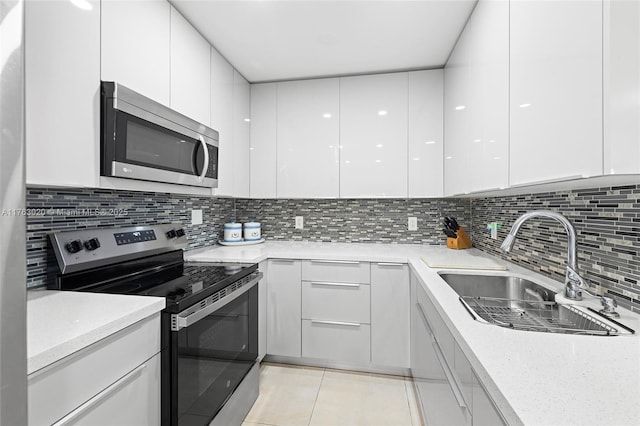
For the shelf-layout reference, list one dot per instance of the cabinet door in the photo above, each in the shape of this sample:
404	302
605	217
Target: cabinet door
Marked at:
263	140
62	93
308	139
284	317
222	120
425	133
621	87
132	400
555	90
190	70
135	46
373	136
241	135
389	315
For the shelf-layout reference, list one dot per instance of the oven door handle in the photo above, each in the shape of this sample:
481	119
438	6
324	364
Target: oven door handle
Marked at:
178	321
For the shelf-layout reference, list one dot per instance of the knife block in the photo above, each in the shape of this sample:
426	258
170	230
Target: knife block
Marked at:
461	242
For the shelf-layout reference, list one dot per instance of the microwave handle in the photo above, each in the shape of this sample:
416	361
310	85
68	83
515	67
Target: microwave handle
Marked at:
206	159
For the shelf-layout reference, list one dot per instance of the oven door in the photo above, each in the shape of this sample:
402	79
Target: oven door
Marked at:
211	353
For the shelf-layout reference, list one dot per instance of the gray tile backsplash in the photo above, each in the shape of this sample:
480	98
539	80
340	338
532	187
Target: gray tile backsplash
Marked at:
354	220
53	209
607	222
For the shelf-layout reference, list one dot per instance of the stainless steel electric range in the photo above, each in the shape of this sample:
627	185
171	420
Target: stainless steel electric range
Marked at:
209	326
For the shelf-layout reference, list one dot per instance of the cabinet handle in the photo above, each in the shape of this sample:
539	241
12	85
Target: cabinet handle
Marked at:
346	262
206	159
283	260
349	324
453	382
101	396
390	264
335	284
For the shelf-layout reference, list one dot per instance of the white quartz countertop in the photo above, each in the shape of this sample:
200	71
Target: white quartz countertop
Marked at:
60	323
534	378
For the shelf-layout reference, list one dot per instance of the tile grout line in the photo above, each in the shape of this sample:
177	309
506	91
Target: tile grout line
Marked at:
324	370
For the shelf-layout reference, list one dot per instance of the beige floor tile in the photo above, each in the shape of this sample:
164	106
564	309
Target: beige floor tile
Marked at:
412	398
348	398
287	395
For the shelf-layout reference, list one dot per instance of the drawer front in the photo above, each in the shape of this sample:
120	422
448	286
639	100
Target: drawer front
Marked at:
132	400
440	331
348	342
336	271
336	301
60	388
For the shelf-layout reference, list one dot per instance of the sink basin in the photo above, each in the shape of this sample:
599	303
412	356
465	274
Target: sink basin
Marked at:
520	304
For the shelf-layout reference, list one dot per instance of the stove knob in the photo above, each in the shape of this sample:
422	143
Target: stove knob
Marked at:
73	246
171	234
92	244
180	232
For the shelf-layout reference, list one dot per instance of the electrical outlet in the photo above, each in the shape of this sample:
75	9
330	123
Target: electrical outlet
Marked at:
196	217
299	222
413	223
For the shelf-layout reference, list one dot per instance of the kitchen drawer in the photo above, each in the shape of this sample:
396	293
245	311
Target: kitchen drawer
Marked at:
336	301
336	271
131	401
440	331
464	375
58	389
339	341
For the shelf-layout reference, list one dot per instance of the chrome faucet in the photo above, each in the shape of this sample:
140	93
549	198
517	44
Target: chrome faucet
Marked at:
574	284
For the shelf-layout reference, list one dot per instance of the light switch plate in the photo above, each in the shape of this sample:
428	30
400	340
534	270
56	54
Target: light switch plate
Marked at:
413	223
299	222
196	217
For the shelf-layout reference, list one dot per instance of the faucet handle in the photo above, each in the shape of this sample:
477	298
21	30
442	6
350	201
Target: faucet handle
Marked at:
609	306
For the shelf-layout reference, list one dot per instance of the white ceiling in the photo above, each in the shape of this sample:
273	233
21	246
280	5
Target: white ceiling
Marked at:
268	40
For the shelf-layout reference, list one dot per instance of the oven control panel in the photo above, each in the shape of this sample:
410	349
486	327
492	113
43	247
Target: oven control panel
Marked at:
89	248
134	237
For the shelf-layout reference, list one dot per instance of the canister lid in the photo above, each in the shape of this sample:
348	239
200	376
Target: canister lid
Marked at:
232	225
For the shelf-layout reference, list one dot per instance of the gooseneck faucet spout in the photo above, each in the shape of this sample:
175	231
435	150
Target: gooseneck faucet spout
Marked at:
574	284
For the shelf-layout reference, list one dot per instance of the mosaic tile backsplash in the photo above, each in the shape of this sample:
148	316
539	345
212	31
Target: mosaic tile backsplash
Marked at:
53	209
607	223
354	220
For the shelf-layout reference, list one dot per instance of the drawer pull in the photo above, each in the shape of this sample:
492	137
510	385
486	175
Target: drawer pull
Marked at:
345	262
349	324
335	284
390	264
283	260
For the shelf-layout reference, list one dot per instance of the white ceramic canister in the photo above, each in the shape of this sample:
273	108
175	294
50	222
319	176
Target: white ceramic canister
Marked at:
232	232
252	231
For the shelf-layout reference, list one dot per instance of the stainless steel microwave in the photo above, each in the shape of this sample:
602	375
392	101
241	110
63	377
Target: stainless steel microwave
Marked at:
142	139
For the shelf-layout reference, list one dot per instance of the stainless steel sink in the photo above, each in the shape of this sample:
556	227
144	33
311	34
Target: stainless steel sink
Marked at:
517	303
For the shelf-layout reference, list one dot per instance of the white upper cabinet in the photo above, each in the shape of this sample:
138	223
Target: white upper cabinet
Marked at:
425	133
477	103
308	134
241	135
555	90
263	140
621	87
190	70
373	136
135	46
62	93
222	120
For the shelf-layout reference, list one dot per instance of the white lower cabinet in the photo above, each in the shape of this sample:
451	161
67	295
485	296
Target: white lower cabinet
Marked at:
113	381
284	313
262	310
390	317
449	391
336	341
